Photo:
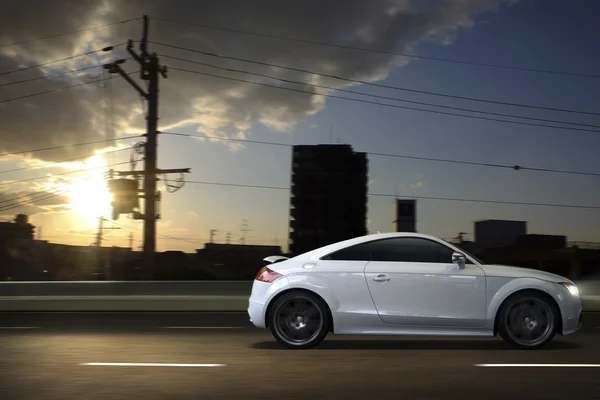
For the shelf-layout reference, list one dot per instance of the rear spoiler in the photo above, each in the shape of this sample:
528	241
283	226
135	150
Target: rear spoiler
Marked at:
275	259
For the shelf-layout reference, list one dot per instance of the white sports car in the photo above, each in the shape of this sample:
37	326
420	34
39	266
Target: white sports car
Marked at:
408	284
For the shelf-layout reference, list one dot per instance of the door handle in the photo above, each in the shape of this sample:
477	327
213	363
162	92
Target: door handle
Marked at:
381	278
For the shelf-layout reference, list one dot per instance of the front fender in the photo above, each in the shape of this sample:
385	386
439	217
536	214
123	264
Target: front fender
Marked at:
502	288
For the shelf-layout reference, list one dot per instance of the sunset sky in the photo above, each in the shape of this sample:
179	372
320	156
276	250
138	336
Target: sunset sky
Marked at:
528	34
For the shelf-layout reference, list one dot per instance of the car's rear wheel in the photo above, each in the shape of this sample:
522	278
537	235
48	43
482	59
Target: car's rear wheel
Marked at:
299	320
528	320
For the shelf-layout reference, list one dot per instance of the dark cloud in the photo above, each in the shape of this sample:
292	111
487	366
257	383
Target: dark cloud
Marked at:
212	106
31	202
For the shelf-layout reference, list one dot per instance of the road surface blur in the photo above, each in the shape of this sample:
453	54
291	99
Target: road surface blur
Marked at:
222	356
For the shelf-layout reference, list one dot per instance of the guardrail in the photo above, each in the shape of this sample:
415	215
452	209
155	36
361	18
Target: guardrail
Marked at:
158	296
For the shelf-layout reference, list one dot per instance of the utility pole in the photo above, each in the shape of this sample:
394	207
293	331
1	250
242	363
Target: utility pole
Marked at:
150	71
131	240
244	230
100	272
98	242
101	229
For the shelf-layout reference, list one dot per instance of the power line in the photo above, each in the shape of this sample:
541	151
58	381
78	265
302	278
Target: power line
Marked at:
226	139
45	191
87	53
444	160
30	201
378	85
178	239
68	145
522	203
379	96
69	33
62	161
51	75
385	104
378	51
65	173
162	236
239	185
41	192
505	166
61	88
412	197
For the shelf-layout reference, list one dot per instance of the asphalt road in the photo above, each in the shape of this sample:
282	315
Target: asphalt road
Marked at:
221	356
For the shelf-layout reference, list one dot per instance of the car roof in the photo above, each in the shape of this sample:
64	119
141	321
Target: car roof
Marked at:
317	253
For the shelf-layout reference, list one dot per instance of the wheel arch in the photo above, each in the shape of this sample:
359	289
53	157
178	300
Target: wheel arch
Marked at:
299	290
559	325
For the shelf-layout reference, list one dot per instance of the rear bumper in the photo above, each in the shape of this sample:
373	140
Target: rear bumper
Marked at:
256	313
262	294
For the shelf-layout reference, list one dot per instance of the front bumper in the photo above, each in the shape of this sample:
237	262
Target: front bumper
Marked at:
572	319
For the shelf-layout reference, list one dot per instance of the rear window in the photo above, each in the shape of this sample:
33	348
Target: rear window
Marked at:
359	252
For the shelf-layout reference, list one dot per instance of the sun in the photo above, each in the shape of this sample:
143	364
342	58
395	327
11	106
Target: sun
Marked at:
90	199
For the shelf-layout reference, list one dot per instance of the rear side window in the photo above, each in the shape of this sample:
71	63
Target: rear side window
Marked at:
360	252
410	249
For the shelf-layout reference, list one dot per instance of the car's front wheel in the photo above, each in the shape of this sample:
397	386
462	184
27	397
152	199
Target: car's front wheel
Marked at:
528	320
299	320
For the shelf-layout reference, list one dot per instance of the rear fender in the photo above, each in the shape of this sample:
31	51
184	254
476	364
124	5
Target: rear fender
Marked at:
316	285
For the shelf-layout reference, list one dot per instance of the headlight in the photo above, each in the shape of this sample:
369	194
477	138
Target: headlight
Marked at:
572	289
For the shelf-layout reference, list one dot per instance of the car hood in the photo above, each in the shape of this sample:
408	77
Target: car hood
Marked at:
506	271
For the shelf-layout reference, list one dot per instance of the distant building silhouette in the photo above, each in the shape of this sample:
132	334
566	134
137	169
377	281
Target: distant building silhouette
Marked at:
16	239
18	230
542	242
329	196
405	215
495	233
235	261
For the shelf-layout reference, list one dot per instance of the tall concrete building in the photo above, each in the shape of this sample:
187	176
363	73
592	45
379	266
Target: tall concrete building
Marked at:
329	196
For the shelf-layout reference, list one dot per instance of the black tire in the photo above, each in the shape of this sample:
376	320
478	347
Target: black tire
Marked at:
299	320
527	320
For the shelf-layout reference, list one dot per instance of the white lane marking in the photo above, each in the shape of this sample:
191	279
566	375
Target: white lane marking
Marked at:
540	365
150	365
202	327
19	327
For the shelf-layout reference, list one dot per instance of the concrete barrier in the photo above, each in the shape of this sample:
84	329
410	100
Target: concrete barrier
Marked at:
158	296
126	288
125	296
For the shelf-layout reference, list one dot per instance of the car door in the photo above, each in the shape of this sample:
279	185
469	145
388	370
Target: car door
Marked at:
342	273
414	282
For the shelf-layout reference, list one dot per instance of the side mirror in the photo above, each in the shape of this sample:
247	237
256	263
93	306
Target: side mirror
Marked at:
459	259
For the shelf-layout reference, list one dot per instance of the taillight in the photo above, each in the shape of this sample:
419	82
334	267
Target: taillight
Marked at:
267	275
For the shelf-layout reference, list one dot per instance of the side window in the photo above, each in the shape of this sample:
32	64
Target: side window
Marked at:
407	249
359	252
